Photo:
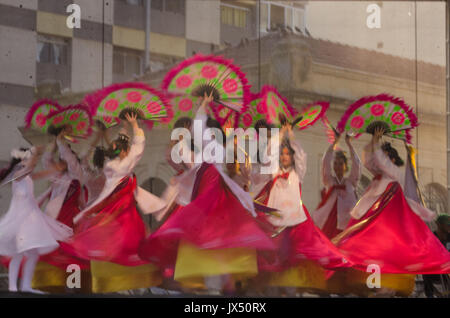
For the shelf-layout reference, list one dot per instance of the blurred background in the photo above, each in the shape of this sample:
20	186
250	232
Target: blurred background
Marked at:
309	50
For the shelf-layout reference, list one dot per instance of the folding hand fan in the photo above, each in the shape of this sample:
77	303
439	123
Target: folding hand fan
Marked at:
36	117
110	104
202	74
310	115
77	117
269	104
391	113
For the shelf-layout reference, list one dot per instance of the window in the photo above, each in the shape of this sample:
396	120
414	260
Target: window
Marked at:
278	14
174	6
134	2
127	62
234	16
52	50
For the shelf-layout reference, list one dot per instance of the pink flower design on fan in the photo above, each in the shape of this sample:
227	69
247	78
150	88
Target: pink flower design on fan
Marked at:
111	105
209	71
377	110
230	85
40	120
357	122
304	122
184	81
81	126
134	96
274	101
272	112
154	107
398	118
261	108
57	119
185	105
74	116
247	120
107	119
312	113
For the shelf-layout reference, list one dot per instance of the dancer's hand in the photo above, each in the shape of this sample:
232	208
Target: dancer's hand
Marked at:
378	133
206	100
132	119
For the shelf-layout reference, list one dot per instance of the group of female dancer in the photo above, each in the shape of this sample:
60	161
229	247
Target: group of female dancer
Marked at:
214	235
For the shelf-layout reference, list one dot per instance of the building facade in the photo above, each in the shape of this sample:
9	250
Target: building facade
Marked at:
273	41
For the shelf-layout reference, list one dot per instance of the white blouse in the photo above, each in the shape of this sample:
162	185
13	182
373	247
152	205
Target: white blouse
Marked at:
116	169
346	199
186	181
285	195
378	163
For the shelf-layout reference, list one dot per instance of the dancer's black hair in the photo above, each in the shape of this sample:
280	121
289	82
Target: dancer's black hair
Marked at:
183	122
212	123
392	154
341	155
122	144
262	123
14	161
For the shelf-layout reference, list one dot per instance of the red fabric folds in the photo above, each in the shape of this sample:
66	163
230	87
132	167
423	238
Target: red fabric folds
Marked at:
330	227
394	237
297	243
110	231
215	219
70	207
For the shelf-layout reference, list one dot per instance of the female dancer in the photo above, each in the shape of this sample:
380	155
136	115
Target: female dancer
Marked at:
109	230
24	230
66	199
65	193
213	239
301	246
333	213
387	230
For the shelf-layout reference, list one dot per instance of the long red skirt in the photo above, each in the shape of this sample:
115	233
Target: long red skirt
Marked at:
215	219
392	236
297	243
110	231
69	210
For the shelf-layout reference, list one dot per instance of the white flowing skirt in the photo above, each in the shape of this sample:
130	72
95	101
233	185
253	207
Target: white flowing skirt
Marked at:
25	227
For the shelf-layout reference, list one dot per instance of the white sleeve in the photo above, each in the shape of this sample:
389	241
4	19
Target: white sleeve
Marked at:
327	178
355	174
386	166
299	158
73	165
203	117
136	152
